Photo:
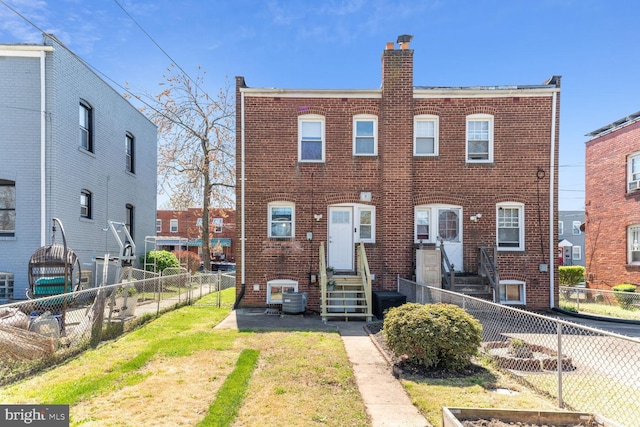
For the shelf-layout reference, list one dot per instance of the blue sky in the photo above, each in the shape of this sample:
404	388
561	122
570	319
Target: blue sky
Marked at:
338	44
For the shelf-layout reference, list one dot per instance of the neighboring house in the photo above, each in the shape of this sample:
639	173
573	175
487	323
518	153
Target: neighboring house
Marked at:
571	238
612	203
183	230
395	168
74	149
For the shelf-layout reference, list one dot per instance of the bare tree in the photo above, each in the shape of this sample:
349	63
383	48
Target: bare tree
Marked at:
196	164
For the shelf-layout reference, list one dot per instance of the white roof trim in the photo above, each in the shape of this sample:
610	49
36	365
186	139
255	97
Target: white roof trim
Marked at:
25	51
417	93
483	93
311	93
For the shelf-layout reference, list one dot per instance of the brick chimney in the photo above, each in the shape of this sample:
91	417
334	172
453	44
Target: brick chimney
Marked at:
396	152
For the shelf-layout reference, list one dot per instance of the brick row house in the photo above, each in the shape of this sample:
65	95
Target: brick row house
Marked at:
326	172
182	229
612	204
73	149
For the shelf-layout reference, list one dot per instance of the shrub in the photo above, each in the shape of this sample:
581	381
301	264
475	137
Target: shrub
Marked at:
189	260
571	274
163	259
435	336
622	295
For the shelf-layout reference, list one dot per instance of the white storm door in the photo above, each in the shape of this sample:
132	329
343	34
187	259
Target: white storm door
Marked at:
449	229
340	248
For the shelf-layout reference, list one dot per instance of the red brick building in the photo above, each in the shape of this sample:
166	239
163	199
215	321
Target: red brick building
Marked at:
182	230
395	168
612	204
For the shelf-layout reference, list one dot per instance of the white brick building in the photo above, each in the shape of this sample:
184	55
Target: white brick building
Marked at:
73	148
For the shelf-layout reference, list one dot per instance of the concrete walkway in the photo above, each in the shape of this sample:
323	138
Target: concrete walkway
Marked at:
387	403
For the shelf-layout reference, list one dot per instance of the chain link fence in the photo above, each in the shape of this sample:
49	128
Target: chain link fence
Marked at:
584	369
44	331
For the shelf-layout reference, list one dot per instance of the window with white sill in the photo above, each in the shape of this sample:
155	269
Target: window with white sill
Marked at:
633	172
311	138
479	147
365	135
512	292
633	244
425	135
281	217
510	226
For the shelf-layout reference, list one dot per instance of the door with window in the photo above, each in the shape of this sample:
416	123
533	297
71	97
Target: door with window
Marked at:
448	230
341	246
441	225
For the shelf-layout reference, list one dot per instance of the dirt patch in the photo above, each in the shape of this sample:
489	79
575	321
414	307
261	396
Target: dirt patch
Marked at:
173	394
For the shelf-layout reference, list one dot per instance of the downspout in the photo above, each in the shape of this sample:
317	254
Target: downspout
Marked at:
552	245
43	152
242	207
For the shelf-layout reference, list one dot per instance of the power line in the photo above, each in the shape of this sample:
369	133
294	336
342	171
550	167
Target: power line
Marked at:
159	47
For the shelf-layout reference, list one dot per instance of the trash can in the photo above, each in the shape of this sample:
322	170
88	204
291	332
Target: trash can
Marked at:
383	300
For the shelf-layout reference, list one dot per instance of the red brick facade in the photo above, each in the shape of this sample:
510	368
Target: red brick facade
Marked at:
524	126
611	206
189	230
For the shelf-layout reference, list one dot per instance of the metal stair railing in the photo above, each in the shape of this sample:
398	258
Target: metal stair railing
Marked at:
487	268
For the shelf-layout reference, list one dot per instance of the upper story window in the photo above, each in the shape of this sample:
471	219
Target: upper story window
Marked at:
281	219
173	226
510	226
560	228
130	153
633	244
86	126
633	172
425	135
311	138
7	208
365	135
576	228
86	210
158	226
130	218
217	225
479	138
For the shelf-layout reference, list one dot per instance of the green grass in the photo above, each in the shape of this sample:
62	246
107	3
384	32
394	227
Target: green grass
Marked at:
600	309
429	395
225	407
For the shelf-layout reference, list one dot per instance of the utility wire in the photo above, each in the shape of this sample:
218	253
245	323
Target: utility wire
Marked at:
159	47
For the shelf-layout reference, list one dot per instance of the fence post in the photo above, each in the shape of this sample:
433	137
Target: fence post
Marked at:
219	288
559	335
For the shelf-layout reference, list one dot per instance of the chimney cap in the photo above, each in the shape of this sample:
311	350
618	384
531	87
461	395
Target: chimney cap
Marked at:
405	38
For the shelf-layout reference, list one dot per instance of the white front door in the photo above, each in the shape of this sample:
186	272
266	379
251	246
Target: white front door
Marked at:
448	228
340	247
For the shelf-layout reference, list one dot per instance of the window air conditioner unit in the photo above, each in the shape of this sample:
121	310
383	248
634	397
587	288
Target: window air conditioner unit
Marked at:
634	185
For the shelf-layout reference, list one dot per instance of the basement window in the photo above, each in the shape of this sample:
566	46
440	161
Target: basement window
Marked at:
512	292
275	289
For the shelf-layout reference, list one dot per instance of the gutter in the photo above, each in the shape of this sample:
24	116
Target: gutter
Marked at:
552	244
242	207
43	151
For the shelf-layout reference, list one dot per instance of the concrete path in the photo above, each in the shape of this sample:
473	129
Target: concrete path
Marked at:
387	403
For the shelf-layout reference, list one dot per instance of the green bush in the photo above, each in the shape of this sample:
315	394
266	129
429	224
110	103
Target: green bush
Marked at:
622	295
435	336
163	259
571	274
